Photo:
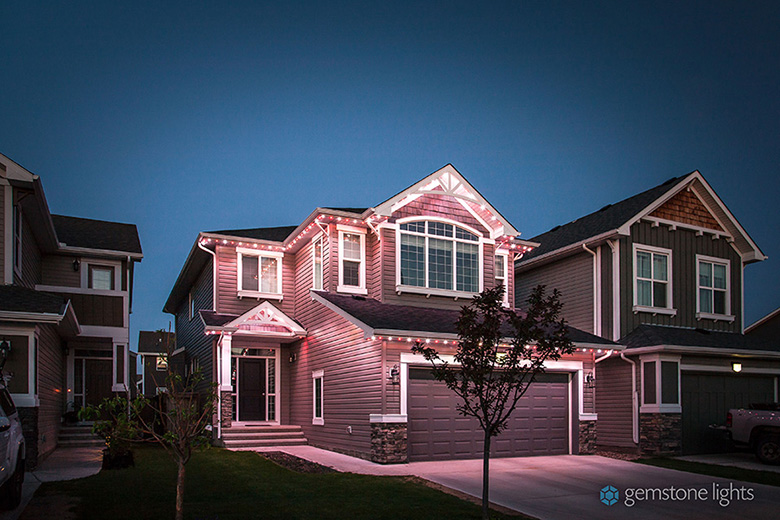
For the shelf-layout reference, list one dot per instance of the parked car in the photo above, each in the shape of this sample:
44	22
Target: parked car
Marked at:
759	428
12	452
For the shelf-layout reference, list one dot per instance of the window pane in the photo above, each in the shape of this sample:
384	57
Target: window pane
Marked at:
439	264
351	273
249	273
705	300
659	294
468	267
643	296
643	265
101	278
465	235
719	302
318	397
351	246
269	274
659	267
669	382
412	260
417	227
719	276
440	229
648	379
499	267
705	274
317	265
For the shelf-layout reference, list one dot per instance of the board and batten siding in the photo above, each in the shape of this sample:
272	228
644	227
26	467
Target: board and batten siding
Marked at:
228	301
606	293
573	277
352	376
51	386
31	258
685	245
613	404
2	232
58	270
190	332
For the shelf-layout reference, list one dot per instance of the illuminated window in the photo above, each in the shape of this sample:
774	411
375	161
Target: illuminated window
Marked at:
162	363
101	277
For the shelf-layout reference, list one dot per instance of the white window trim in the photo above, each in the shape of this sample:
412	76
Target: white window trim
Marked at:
317	374
191	303
711	315
29	398
505	258
360	232
669	309
319	238
116	265
658	406
240	253
17	250
451	293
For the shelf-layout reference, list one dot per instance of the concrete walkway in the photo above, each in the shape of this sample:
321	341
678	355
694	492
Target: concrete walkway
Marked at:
567	486
62	464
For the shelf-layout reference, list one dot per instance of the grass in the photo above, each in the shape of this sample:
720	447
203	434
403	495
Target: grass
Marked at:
728	472
222	485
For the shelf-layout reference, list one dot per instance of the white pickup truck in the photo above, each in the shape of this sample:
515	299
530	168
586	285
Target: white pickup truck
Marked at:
758	428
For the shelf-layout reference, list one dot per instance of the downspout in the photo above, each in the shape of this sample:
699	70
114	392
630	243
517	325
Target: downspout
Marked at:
634	400
213	274
214	308
596	292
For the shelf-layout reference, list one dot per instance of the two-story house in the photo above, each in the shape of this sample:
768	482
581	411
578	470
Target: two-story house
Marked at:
661	273
309	328
64	307
154	349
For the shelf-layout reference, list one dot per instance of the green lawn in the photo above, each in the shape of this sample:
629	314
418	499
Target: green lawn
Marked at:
746	475
239	485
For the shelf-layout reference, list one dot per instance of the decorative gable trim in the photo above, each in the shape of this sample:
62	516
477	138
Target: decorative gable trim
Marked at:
686	207
265	320
449	182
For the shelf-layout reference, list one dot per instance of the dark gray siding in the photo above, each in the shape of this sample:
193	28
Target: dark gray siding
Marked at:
51	381
58	270
189	332
613	404
606	292
685	245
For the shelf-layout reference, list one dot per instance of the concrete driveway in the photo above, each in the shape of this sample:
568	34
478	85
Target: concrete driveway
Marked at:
567	486
744	460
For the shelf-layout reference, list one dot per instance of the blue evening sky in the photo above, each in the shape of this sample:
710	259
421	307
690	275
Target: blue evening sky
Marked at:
189	116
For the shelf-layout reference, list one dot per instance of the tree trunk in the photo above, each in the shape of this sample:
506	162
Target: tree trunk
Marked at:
486	479
180	491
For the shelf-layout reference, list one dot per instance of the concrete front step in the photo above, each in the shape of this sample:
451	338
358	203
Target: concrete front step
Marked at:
261	436
265	443
81	444
77	437
262	429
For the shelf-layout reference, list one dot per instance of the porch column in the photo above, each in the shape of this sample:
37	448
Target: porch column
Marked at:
225	386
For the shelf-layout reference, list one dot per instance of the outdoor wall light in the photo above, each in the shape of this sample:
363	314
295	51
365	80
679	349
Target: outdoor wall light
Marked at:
590	381
394	374
76	264
736	367
292	357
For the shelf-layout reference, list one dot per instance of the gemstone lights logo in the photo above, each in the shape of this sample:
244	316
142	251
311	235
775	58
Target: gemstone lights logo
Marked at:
609	495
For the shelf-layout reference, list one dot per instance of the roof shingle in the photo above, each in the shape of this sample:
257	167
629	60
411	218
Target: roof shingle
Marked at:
14	298
274	234
657	335
97	234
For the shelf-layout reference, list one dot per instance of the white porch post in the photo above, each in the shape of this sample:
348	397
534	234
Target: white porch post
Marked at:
224	370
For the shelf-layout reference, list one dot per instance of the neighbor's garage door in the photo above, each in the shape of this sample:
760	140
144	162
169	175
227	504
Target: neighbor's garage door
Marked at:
539	425
707	398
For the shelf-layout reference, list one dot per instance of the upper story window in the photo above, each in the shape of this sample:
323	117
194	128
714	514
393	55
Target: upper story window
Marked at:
653	279
440	256
316	258
17	251
259	273
191	303
713	297
500	275
100	277
352	260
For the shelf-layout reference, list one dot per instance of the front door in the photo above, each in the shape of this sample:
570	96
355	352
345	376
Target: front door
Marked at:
92	381
251	389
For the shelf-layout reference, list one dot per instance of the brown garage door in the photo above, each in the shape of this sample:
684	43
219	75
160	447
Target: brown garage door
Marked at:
539	425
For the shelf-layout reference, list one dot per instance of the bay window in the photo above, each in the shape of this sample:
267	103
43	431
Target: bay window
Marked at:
439	256
259	273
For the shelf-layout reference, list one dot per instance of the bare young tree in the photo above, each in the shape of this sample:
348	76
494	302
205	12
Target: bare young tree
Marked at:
499	354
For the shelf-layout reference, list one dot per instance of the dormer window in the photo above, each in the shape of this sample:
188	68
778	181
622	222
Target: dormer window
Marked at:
259	273
439	256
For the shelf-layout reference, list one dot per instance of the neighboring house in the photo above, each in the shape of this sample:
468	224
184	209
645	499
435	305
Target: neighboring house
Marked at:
661	273
310	327
153	348
64	307
767	328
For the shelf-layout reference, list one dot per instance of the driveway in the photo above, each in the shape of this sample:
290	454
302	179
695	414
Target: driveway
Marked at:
567	486
744	460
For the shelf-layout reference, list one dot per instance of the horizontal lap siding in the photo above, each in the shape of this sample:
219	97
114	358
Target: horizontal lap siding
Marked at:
31	258
441	206
2	231
51	376
352	380
190	332
685	245
573	277
58	270
614	404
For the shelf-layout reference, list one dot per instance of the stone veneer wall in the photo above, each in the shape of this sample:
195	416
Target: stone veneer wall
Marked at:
587	437
226	409
388	443
29	420
660	433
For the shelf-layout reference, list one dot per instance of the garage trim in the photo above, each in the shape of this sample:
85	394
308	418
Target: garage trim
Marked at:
745	370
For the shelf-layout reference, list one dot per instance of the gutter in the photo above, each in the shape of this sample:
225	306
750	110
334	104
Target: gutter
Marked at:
566	249
213	274
708	351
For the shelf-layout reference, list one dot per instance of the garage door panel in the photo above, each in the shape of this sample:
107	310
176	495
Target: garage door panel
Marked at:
539	425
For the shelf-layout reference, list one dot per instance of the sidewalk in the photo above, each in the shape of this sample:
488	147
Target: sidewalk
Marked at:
62	464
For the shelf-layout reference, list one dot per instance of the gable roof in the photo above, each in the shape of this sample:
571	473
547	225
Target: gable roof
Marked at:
762	321
264	320
156	342
661	335
274	234
384	318
616	219
97	234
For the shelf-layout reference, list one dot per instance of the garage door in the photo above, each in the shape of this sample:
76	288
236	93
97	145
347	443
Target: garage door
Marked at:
539	425
707	398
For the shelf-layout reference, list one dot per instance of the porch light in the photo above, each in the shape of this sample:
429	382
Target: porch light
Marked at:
76	264
736	367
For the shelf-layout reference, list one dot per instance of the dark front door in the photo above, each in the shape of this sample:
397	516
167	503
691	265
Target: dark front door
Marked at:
97	380
251	390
